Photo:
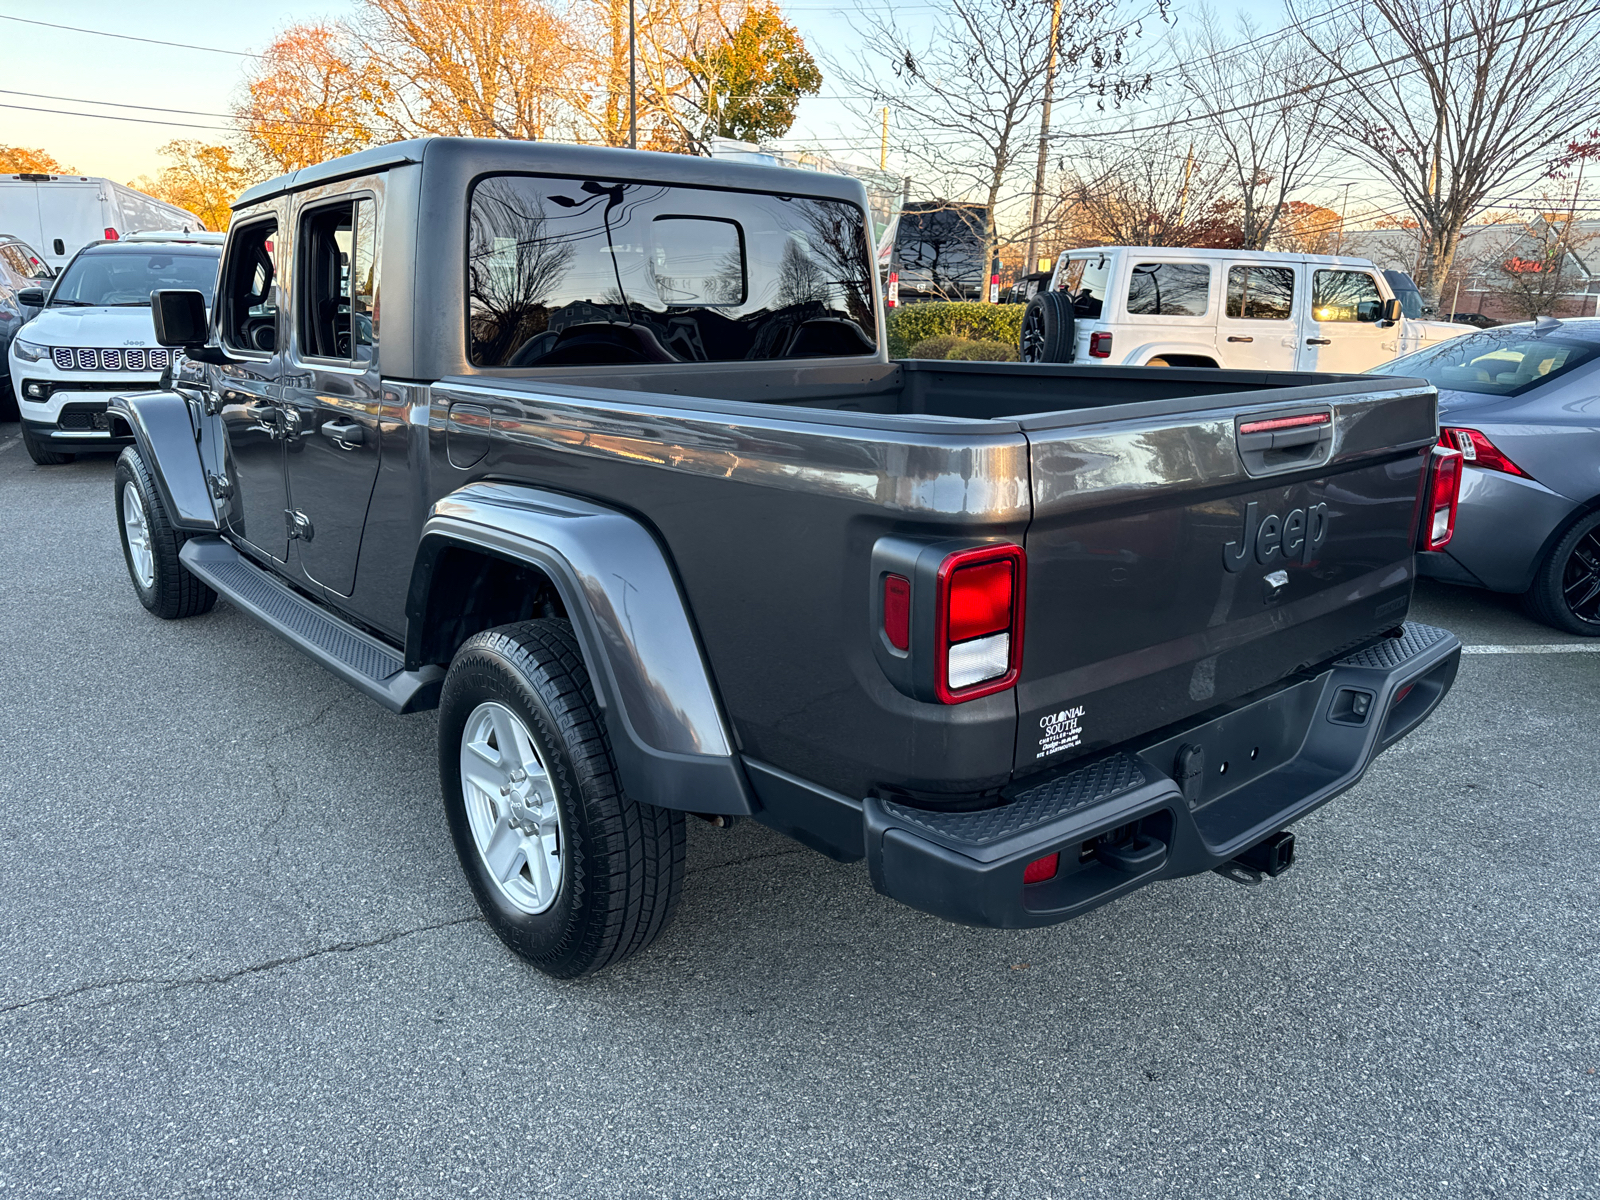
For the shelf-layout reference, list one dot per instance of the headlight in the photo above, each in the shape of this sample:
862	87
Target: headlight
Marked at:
27	351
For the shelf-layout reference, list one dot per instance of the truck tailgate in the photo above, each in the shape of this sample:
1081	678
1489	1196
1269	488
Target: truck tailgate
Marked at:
1181	558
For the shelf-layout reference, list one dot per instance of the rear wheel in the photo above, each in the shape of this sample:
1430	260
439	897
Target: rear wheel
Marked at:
1048	329
570	873
37	451
150	546
8	401
1566	587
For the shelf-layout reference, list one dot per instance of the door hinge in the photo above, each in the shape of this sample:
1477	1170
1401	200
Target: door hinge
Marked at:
299	525
221	486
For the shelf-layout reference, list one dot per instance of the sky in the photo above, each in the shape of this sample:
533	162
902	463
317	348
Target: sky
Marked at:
80	73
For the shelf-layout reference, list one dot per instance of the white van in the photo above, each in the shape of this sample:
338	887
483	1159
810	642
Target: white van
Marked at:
1239	309
58	215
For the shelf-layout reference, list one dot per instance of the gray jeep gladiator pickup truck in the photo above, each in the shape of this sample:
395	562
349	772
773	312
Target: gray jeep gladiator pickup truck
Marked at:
600	452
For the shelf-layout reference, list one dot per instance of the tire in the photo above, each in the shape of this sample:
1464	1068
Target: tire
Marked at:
584	877
1158	361
8	400
1566	587
163	583
43	457
1048	329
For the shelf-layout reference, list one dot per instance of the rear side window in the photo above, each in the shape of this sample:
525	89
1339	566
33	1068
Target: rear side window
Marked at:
1260	293
1345	296
337	269
589	272
249	302
1085	280
1169	290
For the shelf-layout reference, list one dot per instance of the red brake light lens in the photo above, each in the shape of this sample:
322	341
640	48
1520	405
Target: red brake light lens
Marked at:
980	600
1041	869
897	611
1099	345
1443	491
1479	451
111	234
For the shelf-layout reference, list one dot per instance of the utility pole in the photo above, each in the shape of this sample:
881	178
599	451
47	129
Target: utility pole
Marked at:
883	143
1183	192
1044	137
1344	207
633	77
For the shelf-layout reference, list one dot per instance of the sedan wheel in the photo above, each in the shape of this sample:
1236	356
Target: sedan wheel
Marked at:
1566	587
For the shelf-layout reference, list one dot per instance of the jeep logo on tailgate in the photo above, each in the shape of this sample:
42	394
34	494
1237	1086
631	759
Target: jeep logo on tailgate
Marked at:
1296	536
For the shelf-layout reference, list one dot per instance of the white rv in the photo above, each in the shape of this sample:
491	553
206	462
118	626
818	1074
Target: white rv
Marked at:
58	215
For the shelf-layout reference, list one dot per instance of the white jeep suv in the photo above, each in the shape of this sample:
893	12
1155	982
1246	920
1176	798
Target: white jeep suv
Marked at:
94	339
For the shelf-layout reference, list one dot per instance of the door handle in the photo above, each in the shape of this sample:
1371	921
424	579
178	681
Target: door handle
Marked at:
347	435
262	412
1240	339
1319	341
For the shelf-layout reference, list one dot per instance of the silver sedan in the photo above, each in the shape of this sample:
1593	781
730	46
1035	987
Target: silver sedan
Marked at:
1522	404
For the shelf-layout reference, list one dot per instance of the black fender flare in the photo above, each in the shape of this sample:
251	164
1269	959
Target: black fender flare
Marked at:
672	742
163	427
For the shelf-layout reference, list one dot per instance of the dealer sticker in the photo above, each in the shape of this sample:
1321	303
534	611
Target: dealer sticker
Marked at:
1060	731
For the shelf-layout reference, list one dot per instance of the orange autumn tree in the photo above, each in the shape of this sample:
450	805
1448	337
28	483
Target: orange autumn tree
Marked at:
312	98
203	179
19	160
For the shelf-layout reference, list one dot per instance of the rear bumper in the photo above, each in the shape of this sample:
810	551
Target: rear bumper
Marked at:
1124	819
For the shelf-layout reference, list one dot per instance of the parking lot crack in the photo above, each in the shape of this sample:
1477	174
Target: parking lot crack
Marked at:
168	983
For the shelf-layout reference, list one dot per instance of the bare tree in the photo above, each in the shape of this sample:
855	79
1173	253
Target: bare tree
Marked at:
969	85
1260	103
1161	192
1547	263
1455	101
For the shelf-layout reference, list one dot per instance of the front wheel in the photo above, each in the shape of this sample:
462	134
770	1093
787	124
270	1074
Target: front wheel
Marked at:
1566	587
150	546
40	455
569	872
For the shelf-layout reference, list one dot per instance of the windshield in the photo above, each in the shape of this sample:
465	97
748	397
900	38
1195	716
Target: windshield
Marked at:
125	277
1406	292
1496	362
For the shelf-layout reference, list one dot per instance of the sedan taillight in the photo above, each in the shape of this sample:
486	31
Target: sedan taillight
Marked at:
1442	490
1479	451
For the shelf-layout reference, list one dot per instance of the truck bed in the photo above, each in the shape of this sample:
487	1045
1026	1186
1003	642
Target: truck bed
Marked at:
770	487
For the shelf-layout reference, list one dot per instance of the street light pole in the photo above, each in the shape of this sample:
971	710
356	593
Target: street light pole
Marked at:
633	78
1344	207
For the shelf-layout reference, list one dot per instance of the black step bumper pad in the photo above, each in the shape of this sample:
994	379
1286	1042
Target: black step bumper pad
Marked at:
1186	801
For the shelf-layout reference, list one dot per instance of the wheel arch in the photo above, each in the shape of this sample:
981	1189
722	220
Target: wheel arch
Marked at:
495	553
1178	355
163	430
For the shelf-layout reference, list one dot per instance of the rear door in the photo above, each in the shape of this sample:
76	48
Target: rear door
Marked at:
332	388
1258	327
1344	332
71	215
1176	563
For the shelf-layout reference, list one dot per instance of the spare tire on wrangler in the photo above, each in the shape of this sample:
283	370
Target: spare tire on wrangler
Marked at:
1047	328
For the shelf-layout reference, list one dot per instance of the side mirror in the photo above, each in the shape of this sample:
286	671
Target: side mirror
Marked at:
180	318
1392	311
31	297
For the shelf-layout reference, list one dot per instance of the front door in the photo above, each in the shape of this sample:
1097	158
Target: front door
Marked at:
1345	331
332	388
246	391
1258	330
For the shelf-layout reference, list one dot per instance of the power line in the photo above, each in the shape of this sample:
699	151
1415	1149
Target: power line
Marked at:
128	37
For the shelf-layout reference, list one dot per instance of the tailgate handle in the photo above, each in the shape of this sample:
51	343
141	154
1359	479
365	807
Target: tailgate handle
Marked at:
1285	442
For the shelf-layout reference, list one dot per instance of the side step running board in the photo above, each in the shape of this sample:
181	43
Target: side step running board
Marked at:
357	658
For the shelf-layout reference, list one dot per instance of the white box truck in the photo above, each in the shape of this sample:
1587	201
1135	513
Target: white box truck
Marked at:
58	215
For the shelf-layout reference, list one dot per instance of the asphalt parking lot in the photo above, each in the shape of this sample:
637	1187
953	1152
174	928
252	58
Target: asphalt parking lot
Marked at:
239	960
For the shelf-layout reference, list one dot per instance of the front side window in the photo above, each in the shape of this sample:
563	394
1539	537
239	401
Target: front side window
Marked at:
249	302
337	271
124	276
1496	362
1345	296
1169	290
1260	293
576	272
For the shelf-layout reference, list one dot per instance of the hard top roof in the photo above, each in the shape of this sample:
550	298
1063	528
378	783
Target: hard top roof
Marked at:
1194	252
478	156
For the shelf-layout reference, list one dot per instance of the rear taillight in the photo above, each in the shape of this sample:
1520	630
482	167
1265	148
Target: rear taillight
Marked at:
1099	345
1442	490
893	298
111	234
978	609
1478	451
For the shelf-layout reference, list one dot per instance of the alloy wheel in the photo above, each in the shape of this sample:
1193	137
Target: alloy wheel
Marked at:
1032	335
137	530
1580	579
512	808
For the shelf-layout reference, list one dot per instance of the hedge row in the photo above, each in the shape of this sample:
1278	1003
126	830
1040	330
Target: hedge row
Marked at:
913	323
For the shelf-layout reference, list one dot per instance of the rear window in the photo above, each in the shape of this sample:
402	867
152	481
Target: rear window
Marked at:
576	272
1495	362
1169	290
1086	280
